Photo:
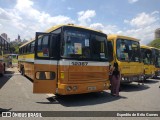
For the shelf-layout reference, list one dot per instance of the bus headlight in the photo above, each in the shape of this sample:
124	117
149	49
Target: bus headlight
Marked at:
142	77
75	88
122	78
68	88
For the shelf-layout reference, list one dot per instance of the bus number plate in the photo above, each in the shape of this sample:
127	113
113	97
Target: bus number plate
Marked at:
92	88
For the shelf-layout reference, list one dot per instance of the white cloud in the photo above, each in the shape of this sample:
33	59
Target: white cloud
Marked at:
145	34
155	12
143	19
132	1
143	26
25	20
70	8
97	26
108	29
85	16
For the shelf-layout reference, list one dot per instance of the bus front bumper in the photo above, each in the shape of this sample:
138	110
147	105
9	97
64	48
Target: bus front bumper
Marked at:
69	89
133	78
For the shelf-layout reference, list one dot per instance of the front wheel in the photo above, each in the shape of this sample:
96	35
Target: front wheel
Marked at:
22	72
2	74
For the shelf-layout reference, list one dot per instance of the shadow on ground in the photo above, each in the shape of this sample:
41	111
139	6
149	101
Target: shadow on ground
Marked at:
151	81
4	80
133	87
4	110
9	72
82	99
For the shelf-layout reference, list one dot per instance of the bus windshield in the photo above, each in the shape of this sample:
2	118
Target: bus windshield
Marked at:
84	45
147	56
156	57
128	50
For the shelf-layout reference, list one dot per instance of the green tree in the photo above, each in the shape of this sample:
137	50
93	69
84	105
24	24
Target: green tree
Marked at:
155	43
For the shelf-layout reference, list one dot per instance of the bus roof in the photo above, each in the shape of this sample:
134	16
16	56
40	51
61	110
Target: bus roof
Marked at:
146	47
58	26
154	48
113	36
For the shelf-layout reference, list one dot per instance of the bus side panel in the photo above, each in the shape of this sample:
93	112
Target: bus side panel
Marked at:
44	82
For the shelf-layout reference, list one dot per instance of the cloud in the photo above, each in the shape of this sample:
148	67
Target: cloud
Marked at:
70	8
25	19
143	26
85	16
143	19
108	29
132	1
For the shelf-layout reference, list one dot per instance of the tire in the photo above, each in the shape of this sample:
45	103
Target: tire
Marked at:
2	74
22	71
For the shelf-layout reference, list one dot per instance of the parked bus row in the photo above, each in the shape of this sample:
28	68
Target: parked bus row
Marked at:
4	52
69	59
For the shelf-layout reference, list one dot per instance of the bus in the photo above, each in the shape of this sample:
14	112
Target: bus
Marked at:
65	60
4	52
156	61
126	52
147	57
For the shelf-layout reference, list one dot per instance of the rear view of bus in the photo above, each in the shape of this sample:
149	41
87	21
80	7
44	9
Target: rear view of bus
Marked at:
70	60
147	56
4	52
156	60
126	52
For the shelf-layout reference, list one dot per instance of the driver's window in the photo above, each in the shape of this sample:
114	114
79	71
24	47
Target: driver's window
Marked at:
43	46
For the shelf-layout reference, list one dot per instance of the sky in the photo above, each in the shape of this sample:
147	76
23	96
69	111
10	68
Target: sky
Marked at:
134	18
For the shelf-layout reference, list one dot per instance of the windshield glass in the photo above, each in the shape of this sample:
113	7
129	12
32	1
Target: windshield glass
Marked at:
147	56
128	50
84	45
156	57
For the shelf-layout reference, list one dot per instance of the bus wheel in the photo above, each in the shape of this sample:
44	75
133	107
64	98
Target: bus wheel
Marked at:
1	74
4	69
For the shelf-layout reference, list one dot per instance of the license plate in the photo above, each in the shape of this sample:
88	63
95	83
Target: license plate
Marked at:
92	88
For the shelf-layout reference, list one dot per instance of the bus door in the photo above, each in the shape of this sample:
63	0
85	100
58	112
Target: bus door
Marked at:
45	65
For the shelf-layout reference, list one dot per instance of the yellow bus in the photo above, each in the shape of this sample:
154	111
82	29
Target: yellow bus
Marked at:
66	59
147	56
4	51
156	60
126	52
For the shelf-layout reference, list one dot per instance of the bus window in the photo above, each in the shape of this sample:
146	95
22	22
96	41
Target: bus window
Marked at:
123	50
0	43
76	45
110	50
135	52
28	48
128	50
32	47
146	55
79	45
44	51
99	47
40	44
45	46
